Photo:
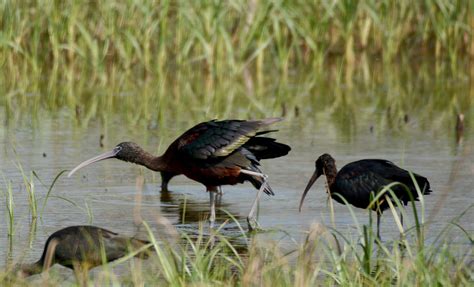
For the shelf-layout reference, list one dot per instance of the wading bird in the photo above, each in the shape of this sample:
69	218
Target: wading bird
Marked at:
261	147
213	153
359	182
82	248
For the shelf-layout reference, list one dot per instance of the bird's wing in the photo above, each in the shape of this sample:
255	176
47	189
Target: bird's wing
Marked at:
356	181
392	172
216	139
357	186
265	148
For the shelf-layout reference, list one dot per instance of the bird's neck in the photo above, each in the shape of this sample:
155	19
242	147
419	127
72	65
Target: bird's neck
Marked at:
331	172
32	269
156	163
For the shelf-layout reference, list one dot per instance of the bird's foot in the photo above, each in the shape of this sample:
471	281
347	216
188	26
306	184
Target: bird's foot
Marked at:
402	244
253	224
219	198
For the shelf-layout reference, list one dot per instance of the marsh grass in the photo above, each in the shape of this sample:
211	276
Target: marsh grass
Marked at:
9	204
151	62
29	186
50	188
326	256
148	37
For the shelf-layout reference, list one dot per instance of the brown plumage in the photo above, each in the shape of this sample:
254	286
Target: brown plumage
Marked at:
81	247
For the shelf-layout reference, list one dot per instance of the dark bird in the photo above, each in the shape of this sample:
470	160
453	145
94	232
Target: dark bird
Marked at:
261	147
166	178
361	181
82	248
214	153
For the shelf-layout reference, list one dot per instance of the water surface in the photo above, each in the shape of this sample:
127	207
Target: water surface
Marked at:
407	117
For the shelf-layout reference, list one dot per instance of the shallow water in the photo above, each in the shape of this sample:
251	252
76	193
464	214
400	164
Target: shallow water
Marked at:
109	189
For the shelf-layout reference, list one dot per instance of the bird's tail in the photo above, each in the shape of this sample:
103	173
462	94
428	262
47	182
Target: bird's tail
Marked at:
269	121
258	181
423	184
265	148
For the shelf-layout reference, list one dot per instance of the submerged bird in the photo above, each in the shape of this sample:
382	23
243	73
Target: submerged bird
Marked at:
213	153
359	182
82	248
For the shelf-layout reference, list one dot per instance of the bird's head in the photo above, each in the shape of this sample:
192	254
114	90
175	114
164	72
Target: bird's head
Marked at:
126	151
322	164
21	271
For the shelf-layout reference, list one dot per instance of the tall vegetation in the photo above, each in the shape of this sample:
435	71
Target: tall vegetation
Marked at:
146	37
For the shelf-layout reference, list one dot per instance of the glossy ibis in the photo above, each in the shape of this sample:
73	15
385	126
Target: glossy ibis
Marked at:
213	153
261	147
360	181
82	248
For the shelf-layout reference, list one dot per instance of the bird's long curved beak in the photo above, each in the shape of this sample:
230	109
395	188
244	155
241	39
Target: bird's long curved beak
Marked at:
105	155
313	178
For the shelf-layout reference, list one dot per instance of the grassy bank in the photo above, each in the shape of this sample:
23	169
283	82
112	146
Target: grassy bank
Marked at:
325	257
150	37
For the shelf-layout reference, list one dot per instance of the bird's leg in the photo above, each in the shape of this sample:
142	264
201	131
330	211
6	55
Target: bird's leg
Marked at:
212	217
401	218
251	221
81	273
219	194
402	235
378	226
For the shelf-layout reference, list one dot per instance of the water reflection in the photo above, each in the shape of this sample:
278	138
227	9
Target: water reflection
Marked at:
459	129
9	251
182	213
351	94
190	211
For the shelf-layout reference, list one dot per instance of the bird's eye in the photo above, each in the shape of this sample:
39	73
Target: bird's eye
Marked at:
117	149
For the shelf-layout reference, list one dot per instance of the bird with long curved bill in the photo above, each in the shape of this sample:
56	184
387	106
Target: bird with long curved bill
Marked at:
213	153
84	247
361	181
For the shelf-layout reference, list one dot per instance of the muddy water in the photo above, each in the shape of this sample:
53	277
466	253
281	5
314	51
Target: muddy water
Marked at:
109	193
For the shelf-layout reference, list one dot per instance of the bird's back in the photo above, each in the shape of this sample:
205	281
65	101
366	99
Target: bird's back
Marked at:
86	244
214	152
356	182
